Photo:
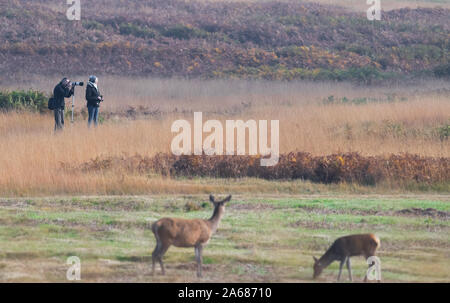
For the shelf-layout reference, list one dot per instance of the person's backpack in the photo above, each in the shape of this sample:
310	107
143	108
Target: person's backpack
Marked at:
51	103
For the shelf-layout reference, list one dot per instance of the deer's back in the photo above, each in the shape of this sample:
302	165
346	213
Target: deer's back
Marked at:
182	232
355	245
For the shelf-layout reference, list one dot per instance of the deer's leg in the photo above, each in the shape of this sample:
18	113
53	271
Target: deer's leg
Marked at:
340	269
162	251
199	258
349	268
155	256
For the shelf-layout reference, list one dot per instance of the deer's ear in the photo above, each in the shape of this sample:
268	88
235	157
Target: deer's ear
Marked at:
315	259
211	198
227	199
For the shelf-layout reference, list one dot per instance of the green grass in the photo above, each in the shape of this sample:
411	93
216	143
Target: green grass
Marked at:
262	239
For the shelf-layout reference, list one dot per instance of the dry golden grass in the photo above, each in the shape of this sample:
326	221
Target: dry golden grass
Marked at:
31	154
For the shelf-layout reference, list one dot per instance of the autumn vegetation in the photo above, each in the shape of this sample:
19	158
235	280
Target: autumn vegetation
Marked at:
349	93
330	133
364	118
201	39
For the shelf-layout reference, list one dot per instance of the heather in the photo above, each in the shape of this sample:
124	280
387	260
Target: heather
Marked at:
200	39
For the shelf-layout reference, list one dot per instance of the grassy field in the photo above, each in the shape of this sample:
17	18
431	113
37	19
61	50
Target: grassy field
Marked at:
93	193
271	229
261	238
319	118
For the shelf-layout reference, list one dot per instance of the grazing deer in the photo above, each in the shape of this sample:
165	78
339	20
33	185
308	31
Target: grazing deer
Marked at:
344	248
186	233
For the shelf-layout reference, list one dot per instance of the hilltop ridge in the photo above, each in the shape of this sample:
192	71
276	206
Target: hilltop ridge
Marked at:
269	40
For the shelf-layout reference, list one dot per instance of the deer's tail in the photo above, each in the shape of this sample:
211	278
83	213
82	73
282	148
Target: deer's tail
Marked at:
376	241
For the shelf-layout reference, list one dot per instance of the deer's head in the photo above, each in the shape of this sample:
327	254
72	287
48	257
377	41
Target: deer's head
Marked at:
219	204
317	268
219	210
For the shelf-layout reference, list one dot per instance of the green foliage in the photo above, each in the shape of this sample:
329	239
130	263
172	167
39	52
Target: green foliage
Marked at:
8	13
344	100
360	49
137	31
184	32
444	132
420	52
361	100
363	75
293	20
23	100
93	25
442	71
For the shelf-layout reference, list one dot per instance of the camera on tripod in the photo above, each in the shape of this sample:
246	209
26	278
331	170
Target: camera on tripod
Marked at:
77	83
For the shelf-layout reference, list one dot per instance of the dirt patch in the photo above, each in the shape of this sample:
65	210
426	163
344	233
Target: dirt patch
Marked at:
329	211
90	226
251	206
363	225
420	212
327	225
82	204
144	259
408	212
20	255
189	266
16	204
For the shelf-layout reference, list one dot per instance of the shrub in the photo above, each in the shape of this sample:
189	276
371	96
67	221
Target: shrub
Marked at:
181	31
444	132
93	25
137	31
23	100
442	71
343	167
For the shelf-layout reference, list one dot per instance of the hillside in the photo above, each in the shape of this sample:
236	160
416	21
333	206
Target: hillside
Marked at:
269	40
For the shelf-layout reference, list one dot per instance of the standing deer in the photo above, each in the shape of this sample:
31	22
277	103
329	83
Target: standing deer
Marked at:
344	248
186	233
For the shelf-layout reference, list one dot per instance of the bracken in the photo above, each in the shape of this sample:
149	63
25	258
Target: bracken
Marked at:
335	168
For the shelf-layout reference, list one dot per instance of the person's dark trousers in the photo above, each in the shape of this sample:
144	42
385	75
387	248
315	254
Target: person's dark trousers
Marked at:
59	119
93	115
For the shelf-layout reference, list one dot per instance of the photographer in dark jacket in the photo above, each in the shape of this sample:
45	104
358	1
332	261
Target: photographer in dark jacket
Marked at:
62	90
93	98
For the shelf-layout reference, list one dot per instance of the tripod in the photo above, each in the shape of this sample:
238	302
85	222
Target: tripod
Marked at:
73	103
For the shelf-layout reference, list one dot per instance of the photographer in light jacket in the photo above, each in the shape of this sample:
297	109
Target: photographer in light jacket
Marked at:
93	98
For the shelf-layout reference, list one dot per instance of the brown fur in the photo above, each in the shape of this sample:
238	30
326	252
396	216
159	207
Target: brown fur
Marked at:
183	232
345	247
186	233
